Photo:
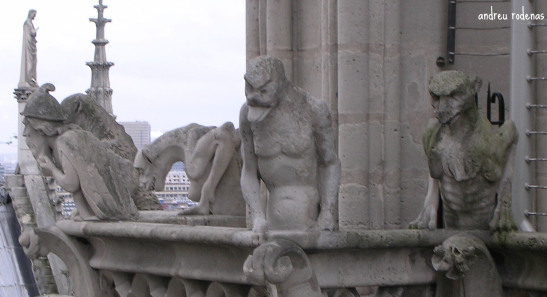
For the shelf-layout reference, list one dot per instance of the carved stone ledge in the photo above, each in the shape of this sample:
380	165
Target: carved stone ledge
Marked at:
173	217
368	257
75	254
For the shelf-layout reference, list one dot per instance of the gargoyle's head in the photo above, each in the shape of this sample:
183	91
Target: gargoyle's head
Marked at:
265	82
452	93
150	175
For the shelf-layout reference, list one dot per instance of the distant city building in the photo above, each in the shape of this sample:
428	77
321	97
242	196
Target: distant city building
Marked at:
9	161
2	173
139	132
67	202
175	194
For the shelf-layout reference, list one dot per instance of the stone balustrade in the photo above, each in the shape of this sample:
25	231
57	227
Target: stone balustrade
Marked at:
212	256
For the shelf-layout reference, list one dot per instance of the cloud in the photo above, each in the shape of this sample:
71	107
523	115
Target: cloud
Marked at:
177	62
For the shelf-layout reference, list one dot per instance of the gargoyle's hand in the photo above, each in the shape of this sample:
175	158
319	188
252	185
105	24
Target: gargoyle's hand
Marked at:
45	162
199	209
325	221
502	221
426	220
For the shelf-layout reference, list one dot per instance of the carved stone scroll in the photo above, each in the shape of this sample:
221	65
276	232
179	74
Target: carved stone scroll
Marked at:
284	264
73	253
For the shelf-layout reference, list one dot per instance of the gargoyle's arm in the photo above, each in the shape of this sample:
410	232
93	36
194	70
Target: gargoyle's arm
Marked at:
250	183
67	178
329	168
428	215
503	217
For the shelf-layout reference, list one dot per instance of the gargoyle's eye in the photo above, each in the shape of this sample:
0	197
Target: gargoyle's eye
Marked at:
434	96
263	91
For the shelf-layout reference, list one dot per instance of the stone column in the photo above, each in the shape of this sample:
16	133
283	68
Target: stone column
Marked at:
279	32
252	31
25	160
353	93
369	113
392	113
329	58
307	45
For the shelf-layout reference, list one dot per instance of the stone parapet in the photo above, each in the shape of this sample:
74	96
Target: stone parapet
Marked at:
173	258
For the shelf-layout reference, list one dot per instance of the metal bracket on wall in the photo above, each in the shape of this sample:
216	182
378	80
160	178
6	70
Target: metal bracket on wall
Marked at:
451	34
492	98
533	213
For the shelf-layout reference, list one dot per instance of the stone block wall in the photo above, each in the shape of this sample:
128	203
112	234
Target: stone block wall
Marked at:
372	61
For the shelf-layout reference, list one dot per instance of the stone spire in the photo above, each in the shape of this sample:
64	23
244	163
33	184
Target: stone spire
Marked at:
100	89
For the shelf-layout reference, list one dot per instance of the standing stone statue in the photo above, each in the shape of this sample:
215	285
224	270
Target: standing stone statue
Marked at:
470	161
288	143
28	57
98	178
470	165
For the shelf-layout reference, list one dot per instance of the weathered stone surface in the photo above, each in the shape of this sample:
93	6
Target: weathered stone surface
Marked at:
466	268
81	110
288	143
374	59
86	113
470	165
284	264
470	161
212	163
99	180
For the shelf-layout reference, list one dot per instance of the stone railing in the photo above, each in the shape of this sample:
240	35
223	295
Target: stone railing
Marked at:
212	256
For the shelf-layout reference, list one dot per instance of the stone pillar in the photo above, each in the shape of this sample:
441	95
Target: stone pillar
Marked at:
307	45
391	56
279	32
252	23
369	111
371	61
353	93
329	58
25	160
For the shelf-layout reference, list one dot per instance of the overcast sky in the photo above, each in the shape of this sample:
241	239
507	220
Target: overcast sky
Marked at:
176	61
